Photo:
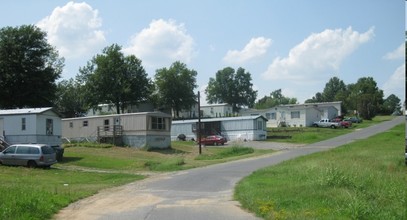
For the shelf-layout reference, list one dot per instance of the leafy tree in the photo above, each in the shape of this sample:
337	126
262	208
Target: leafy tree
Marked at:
333	90
365	97
175	87
391	105
276	98
111	77
233	88
70	101
315	99
29	68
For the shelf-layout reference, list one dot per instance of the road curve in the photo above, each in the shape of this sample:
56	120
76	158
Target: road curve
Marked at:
202	193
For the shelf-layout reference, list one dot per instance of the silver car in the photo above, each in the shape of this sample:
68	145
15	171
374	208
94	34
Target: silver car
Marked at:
30	155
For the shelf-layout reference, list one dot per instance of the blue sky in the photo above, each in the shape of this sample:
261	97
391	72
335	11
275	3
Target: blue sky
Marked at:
293	45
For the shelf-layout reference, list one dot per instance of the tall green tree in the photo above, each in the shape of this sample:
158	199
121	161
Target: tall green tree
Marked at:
334	88
29	68
365	97
315	99
276	98
391	105
175	87
70	100
112	78
234	88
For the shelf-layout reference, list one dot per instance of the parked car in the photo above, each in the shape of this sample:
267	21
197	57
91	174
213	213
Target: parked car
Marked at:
213	140
353	119
326	123
342	123
30	155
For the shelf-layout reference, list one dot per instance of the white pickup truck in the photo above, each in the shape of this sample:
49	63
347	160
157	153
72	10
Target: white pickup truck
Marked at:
326	123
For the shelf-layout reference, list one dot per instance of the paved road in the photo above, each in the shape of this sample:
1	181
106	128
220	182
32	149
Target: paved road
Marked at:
203	193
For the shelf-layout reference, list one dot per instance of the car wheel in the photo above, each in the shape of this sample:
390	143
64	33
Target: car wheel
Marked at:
215	143
333	126
31	164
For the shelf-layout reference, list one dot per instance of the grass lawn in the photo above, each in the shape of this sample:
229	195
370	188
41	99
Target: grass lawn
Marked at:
362	180
308	135
39	193
182	155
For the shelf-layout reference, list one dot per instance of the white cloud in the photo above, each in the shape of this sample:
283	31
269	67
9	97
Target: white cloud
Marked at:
74	30
256	48
162	43
319	54
398	53
396	83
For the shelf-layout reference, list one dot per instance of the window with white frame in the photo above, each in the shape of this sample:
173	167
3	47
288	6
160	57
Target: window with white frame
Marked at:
295	114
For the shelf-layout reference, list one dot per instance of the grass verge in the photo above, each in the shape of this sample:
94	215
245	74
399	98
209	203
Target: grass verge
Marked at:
362	180
40	193
308	135
183	155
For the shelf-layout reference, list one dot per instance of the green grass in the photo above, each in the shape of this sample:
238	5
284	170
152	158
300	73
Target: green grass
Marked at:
40	193
227	153
363	180
183	155
309	135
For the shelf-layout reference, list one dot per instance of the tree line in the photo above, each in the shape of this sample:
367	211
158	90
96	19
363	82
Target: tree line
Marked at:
362	98
30	69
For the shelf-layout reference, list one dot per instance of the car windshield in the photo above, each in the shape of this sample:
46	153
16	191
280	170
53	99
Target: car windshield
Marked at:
47	150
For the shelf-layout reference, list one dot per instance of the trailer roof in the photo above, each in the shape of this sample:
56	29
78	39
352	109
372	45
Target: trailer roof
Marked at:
251	117
24	111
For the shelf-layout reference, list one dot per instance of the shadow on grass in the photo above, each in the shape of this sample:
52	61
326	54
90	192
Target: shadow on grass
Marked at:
168	151
69	159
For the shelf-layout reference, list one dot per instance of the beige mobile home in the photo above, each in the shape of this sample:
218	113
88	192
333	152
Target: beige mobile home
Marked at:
145	129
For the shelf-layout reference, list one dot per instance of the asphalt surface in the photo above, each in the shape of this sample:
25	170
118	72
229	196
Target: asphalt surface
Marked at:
202	193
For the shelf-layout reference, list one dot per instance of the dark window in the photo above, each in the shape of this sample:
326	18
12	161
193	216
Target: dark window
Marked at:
157	123
23	150
23	124
71	124
106	123
295	114
50	126
85	123
47	150
10	150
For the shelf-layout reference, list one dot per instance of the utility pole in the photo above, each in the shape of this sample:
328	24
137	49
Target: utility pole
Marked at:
199	123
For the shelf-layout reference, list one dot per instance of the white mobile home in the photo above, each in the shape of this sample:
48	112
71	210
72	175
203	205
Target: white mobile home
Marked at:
293	116
297	115
144	129
233	128
30	125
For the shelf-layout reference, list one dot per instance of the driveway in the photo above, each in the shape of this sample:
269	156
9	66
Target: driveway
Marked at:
202	193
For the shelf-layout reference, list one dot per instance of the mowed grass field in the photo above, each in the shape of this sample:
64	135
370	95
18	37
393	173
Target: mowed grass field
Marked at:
40	193
366	179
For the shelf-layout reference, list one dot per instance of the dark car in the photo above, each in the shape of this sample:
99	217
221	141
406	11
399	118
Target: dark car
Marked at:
353	119
213	140
59	151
